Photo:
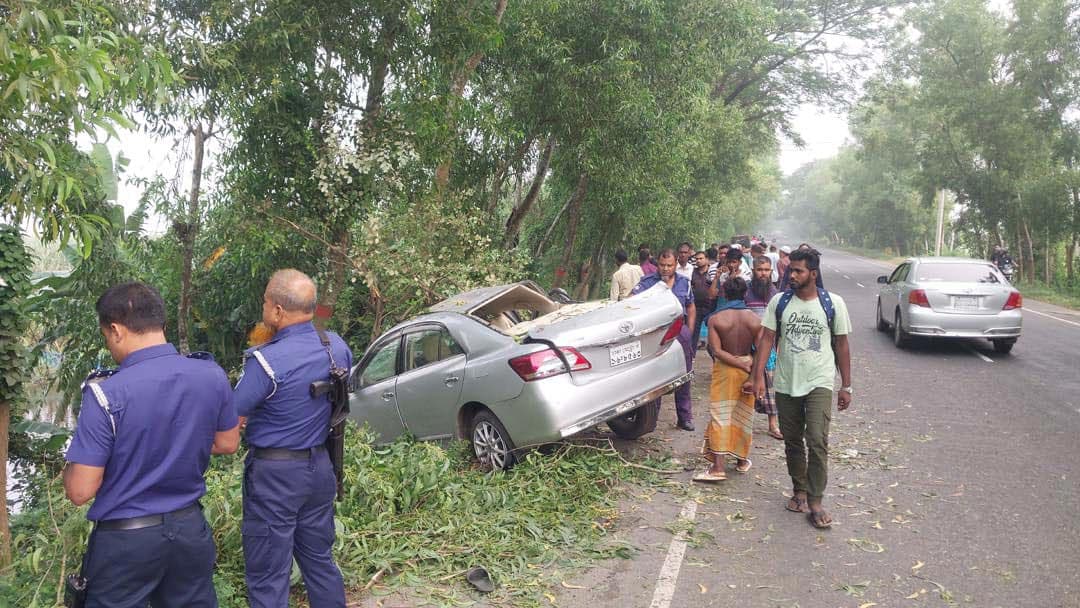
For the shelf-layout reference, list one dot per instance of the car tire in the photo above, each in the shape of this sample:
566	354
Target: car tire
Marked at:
900	337
636	422
882	324
492	445
1003	346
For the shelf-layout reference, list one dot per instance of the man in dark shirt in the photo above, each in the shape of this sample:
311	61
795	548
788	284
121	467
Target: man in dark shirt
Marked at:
289	484
141	447
704	299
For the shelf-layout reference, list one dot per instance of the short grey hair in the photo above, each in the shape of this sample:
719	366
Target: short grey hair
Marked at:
292	290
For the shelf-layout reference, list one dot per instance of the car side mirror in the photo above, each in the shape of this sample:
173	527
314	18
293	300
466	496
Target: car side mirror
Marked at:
883	279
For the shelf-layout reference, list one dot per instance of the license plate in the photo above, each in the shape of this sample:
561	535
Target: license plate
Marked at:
625	353
966	302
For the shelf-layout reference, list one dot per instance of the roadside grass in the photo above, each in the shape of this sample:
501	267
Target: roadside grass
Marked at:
1052	295
414	514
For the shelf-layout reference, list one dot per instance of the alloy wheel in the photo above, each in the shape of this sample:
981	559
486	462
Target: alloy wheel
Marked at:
489	445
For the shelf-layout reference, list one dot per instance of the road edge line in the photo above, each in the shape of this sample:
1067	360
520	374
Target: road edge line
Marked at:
669	572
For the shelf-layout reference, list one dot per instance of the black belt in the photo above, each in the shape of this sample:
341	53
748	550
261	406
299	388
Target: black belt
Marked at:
285	454
145	521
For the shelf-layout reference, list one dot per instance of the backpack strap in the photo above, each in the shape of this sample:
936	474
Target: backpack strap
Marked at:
785	299
826	303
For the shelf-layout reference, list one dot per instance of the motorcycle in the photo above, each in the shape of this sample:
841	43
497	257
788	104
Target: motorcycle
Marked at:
1007	269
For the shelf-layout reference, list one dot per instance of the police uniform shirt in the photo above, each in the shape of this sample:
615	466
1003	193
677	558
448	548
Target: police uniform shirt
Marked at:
154	441
274	391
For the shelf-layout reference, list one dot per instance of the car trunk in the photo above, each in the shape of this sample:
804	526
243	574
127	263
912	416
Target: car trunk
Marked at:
972	289
615	337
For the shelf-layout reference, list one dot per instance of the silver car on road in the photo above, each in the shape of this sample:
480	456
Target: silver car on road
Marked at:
943	297
507	367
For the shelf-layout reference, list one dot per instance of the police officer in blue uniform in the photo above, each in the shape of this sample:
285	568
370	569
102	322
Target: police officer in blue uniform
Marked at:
143	442
289	485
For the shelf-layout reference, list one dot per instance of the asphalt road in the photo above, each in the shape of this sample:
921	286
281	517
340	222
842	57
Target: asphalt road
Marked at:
953	482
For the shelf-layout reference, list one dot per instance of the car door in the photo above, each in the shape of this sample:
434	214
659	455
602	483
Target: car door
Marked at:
373	398
433	369
890	294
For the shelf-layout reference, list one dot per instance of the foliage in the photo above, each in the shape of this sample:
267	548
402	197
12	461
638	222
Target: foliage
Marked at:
14	289
67	69
416	511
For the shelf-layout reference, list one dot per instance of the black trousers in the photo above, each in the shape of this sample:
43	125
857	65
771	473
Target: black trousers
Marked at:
168	565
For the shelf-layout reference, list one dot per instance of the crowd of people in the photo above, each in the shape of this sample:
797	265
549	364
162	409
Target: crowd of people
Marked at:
776	338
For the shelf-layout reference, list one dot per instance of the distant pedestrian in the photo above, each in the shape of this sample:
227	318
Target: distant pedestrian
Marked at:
758	296
782	266
806	319
704	299
684	266
732	331
645	261
774	257
680	287
142	444
625	277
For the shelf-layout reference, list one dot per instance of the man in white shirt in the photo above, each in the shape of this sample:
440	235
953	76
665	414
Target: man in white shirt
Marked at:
625	278
683	265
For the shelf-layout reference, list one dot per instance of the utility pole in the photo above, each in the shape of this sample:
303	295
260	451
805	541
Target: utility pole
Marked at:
940	221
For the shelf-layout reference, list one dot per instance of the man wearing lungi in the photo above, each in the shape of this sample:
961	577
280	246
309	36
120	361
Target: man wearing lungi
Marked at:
732	332
760	291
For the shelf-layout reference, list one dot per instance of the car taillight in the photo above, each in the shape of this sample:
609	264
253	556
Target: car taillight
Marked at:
918	298
672	332
545	363
1015	301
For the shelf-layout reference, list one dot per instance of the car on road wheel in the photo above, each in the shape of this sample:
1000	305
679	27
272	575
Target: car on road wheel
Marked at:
509	367
947	297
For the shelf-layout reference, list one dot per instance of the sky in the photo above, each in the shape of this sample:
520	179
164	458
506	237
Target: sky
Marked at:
823	131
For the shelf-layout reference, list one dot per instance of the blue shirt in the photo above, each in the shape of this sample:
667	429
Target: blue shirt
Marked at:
681	288
166	409
281	411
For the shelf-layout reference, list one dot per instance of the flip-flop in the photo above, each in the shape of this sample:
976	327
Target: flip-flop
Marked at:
799	504
708	477
778	436
820	525
740	468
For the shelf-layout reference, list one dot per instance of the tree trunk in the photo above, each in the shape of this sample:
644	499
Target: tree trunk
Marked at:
457	91
5	528
540	245
571	228
1031	253
513	223
1070	252
186	233
500	174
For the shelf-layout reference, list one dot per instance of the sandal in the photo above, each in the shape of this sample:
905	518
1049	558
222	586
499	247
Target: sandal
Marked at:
708	477
776	434
744	466
801	505
817	519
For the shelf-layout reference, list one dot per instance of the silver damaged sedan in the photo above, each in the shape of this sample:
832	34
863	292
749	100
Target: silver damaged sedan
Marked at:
508	368
943	297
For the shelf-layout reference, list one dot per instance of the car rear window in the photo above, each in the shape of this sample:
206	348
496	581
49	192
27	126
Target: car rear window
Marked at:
956	273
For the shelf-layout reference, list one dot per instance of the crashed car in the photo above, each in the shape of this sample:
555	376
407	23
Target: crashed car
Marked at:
507	368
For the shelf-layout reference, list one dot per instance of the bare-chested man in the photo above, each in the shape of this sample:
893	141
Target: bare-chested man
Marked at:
732	332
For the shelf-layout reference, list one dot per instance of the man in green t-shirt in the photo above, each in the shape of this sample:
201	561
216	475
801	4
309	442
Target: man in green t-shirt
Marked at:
808	353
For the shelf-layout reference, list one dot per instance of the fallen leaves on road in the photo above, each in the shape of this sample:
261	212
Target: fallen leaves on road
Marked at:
867	545
569	586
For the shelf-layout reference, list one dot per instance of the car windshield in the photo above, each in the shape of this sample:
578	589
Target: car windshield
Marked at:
941	272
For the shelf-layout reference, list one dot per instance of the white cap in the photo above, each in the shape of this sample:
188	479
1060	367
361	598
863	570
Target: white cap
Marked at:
736	246
785	249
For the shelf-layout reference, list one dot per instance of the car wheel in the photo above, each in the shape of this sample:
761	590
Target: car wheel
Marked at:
491	443
882	325
637	422
1003	346
899	337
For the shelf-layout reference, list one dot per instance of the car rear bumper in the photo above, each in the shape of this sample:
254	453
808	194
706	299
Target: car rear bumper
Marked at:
930	323
554	408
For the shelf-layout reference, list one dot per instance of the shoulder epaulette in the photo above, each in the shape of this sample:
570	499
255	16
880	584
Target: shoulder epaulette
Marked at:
93	381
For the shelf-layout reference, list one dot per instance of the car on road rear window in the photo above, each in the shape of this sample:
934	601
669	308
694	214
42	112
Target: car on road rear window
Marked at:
956	298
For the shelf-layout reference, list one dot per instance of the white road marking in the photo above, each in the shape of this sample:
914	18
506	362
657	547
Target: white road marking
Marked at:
980	355
860	284
1043	314
847	277
669	572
